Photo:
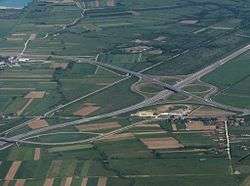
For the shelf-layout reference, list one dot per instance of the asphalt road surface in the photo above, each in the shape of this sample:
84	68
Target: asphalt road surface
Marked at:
162	95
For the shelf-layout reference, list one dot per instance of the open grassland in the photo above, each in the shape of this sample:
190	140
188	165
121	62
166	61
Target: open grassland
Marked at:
115	97
57	86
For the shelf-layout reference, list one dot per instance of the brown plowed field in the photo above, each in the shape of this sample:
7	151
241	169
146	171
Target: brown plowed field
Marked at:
119	137
98	126
84	181
20	182
38	123
35	95
162	143
13	170
59	65
198	125
49	182
37	154
68	181
102	181
86	110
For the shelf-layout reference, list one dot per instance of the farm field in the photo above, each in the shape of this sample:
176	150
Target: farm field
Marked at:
233	86
125	93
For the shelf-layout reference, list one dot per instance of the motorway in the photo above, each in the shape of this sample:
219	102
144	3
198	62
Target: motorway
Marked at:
136	74
50	112
162	95
178	87
210	68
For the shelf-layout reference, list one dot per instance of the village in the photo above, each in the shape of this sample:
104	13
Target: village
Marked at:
9	62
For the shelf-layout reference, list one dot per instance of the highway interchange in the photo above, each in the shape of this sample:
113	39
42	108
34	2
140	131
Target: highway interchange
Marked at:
162	95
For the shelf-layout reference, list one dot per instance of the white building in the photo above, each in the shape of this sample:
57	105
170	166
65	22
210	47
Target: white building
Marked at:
23	60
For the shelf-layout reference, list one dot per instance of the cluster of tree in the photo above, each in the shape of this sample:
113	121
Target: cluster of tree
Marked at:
3	58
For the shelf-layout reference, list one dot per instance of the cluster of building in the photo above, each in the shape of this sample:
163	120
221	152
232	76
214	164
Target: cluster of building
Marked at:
177	114
11	61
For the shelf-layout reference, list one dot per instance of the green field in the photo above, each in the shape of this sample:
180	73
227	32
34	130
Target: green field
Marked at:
167	40
232	79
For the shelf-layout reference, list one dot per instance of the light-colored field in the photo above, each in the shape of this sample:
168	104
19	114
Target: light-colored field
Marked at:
68	181
35	95
34	79
98	126
97	3
6	183
86	110
38	123
111	3
32	37
188	22
209	112
164	108
13	170
174	128
18	34
84	181
119	137
148	126
59	65
54	168
198	125
37	154
69	148
20	182
49	182
15	88
59	1
162	143
102	181
26	76
14	39
246	181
